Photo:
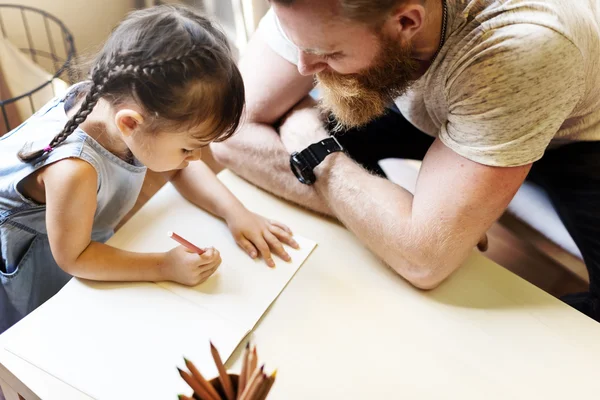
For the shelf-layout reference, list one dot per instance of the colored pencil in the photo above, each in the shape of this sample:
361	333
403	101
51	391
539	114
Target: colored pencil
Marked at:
185	243
242	381
223	376
196	387
203	382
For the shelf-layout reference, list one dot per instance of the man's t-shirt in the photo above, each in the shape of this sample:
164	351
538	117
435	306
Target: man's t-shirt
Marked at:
513	77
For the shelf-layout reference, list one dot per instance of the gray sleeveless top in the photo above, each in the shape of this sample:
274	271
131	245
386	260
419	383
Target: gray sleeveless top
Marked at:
28	273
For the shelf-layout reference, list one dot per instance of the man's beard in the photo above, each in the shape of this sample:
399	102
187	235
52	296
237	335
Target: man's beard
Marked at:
356	99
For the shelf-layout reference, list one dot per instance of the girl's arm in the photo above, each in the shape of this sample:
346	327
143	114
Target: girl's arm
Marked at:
70	187
198	184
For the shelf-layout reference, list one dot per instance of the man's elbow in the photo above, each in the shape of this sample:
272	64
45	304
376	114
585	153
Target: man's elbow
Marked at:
225	152
222	152
430	274
427	281
233	153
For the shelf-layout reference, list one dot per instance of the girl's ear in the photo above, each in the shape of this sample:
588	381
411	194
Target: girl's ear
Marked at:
128	120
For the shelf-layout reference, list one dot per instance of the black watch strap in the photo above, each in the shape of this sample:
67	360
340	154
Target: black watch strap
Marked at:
304	162
316	152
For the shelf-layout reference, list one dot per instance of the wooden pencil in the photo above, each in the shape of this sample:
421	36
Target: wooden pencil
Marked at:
185	243
184	397
203	382
223	376
267	387
249	383
253	383
254	363
242	380
249	370
258	387
195	385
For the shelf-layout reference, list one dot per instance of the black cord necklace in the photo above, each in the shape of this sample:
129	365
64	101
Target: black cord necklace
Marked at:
444	23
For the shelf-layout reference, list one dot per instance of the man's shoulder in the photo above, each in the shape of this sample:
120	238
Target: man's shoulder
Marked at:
504	46
526	20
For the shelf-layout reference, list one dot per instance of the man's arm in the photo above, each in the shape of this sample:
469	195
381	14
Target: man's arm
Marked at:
426	237
273	86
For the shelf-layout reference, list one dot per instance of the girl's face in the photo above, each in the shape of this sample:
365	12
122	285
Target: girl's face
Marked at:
166	151
159	151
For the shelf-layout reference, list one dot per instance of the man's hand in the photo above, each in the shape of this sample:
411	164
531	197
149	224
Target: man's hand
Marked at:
299	129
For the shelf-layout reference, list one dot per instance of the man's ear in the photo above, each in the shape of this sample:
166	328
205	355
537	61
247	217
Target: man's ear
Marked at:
406	20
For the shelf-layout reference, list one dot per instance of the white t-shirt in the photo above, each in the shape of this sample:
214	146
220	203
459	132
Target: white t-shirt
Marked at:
513	77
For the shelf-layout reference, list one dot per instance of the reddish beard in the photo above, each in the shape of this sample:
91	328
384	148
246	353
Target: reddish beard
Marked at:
356	99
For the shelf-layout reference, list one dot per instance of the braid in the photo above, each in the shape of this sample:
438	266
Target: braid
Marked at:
100	78
81	115
177	65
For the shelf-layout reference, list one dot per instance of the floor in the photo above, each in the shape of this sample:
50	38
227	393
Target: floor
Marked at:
504	248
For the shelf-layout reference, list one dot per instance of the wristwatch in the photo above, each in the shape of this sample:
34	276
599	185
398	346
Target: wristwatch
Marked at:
303	163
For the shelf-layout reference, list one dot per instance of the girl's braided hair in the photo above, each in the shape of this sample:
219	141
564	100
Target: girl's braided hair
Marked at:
175	64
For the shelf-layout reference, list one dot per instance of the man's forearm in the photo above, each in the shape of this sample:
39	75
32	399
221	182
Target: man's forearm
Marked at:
257	154
378	212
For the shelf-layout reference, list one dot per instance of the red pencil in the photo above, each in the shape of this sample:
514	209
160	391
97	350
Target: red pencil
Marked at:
185	243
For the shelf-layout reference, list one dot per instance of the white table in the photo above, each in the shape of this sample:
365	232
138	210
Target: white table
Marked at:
347	327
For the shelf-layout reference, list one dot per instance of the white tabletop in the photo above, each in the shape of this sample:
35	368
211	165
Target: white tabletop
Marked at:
347	327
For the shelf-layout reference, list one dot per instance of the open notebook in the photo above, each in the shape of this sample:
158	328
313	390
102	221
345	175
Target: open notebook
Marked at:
123	341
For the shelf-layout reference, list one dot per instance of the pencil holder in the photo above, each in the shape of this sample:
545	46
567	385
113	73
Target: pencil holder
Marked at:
216	383
252	383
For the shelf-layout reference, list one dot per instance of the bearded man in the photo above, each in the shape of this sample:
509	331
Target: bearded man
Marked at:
487	93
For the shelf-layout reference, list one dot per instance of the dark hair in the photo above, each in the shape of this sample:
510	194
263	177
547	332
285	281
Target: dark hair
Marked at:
176	64
367	11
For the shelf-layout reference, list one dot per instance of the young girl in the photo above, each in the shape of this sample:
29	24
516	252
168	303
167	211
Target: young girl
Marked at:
164	86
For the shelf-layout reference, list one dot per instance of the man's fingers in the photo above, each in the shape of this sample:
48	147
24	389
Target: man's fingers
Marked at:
483	243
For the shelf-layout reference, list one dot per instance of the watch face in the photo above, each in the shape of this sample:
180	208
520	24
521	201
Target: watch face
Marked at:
301	169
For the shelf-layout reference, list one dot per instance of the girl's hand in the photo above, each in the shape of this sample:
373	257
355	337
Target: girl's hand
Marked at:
256	234
189	268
